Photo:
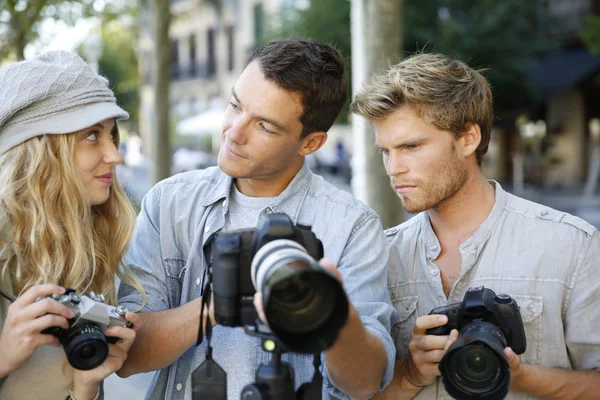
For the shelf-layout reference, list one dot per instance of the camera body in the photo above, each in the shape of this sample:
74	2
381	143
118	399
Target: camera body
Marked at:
84	341
305	305
232	255
474	366
481	303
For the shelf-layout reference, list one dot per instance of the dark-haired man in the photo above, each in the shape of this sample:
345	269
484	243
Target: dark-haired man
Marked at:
281	107
433	119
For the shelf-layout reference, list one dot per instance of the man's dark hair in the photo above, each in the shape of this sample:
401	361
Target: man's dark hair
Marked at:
311	68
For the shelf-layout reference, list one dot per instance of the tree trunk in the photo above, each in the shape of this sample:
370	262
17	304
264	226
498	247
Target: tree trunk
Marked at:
376	43
160	149
20	43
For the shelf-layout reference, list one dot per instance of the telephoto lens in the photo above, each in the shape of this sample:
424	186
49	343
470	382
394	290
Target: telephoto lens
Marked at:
304	304
474	367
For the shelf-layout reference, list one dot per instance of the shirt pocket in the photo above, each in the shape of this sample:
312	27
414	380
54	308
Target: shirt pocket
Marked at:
175	268
402	329
531	309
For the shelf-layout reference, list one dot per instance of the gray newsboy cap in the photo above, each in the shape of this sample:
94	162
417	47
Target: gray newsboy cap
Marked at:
54	93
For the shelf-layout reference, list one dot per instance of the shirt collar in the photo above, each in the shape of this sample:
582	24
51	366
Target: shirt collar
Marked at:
289	201
481	235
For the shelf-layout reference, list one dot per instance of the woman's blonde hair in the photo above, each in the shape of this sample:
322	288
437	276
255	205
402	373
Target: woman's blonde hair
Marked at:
52	235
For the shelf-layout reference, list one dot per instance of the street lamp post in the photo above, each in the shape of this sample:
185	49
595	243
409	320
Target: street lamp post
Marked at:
534	133
594	169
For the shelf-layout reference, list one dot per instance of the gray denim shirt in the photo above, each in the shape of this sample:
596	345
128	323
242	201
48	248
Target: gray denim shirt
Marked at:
548	260
178	216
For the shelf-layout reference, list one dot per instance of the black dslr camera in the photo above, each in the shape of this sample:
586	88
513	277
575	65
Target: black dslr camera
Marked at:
474	366
84	341
304	304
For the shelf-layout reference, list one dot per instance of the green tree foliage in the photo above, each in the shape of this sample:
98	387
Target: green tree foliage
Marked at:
328	21
591	33
20	19
501	36
119	64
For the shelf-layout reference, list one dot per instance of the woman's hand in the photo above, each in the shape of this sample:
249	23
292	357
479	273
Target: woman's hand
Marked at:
86	383
25	320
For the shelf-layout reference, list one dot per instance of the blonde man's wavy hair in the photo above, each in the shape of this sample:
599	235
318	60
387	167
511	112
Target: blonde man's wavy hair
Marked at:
443	91
54	236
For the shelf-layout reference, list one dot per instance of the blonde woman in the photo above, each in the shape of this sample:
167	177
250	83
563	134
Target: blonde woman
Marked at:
65	222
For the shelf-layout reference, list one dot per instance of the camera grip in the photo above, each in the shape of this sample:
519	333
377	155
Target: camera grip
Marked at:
438	331
449	311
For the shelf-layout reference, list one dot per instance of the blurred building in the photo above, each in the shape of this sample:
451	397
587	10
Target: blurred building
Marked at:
209	48
567	81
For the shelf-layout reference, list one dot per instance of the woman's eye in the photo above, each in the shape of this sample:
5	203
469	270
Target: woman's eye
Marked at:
92	136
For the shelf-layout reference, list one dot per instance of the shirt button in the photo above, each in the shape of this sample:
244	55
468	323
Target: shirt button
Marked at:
433	248
544	212
198	281
434	272
179	386
207	229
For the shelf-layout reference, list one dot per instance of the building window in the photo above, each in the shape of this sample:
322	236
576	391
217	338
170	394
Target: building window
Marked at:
211	65
175	59
230	48
259	24
193	60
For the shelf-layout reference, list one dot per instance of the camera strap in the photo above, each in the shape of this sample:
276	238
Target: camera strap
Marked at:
209	380
315	390
7	297
205	305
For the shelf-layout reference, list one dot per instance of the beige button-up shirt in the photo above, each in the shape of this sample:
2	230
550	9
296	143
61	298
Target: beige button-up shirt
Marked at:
548	260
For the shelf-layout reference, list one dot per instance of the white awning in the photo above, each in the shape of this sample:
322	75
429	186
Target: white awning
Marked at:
208	123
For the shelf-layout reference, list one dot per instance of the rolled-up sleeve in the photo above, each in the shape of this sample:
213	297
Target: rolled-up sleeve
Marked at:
582	319
144	259
363	266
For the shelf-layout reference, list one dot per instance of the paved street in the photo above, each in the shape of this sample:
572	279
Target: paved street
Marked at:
132	388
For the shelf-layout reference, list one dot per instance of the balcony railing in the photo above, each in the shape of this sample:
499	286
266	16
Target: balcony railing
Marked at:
192	71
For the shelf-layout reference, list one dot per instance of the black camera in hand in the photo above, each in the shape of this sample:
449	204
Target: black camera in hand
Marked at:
304	304
84	341
474	366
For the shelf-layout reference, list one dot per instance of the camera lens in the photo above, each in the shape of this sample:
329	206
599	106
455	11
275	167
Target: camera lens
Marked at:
87	351
474	366
86	347
304	304
477	369
300	301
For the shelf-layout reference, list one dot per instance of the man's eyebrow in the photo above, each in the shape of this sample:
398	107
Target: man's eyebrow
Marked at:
404	144
235	95
408	143
271	121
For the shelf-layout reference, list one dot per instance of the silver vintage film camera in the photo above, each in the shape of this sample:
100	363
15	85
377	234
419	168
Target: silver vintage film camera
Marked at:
84	341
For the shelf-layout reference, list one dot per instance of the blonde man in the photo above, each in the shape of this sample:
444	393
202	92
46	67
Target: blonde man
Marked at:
433	117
